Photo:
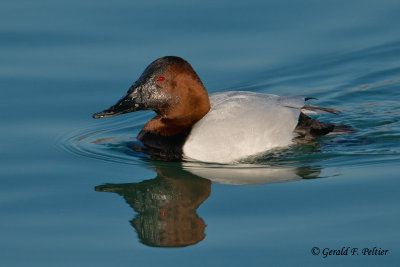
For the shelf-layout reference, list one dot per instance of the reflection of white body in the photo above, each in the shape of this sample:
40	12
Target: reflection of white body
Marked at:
243	174
241	124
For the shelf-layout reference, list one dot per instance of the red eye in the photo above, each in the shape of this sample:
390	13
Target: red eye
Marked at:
161	78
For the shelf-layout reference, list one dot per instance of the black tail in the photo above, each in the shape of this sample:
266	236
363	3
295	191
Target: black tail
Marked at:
308	128
341	129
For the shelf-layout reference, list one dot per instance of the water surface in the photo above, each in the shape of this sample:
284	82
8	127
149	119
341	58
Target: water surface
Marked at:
73	192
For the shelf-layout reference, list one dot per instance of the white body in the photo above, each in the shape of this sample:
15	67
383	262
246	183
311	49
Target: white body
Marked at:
241	124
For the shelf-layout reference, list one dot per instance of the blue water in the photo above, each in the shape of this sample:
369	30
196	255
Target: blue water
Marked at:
72	193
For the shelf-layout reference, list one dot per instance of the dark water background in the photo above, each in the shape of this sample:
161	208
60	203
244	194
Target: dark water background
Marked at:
72	193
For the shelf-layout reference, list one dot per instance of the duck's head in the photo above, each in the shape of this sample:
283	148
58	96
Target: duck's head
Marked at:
170	87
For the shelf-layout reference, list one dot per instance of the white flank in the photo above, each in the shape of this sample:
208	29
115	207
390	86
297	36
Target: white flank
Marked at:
241	124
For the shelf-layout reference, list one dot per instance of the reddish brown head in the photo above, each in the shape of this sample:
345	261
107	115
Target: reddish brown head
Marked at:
171	88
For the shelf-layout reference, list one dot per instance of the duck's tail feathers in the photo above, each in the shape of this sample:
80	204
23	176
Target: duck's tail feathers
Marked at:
309	128
341	129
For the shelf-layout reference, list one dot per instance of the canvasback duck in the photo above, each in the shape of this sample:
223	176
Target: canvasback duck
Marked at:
223	127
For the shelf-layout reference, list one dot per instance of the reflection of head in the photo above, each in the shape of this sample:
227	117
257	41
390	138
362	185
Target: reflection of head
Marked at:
167	207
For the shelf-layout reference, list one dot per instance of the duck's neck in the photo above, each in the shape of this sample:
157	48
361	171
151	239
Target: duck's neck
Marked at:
192	105
166	126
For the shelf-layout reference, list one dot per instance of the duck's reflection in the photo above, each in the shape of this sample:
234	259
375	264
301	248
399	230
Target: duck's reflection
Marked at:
167	204
166	207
